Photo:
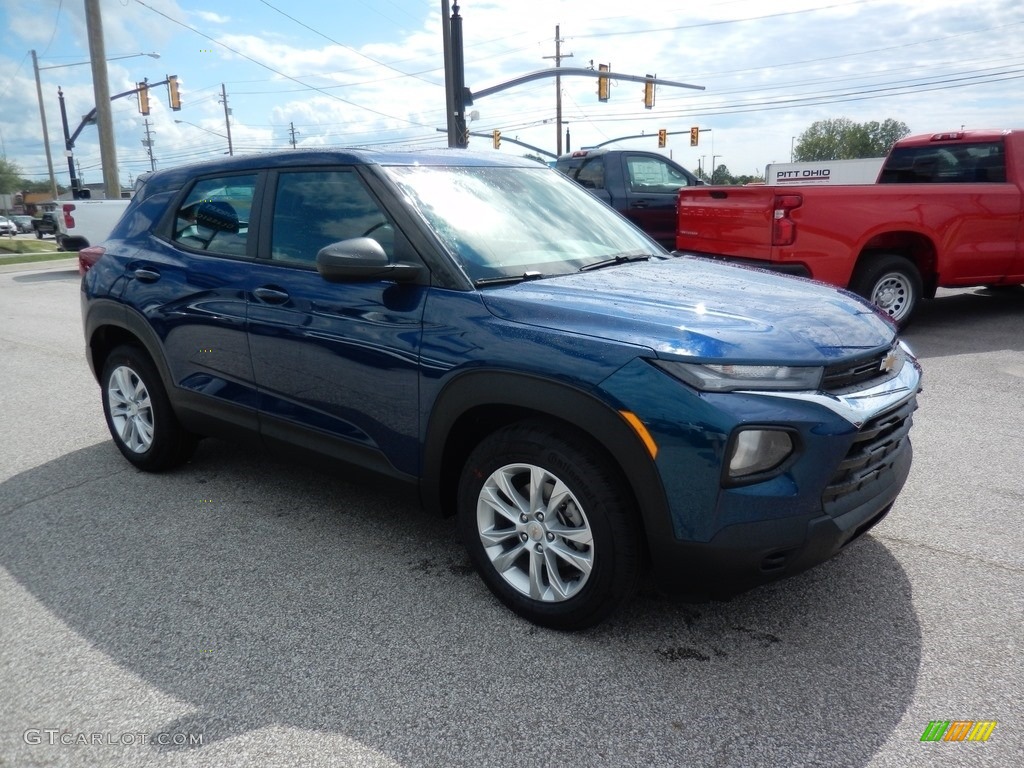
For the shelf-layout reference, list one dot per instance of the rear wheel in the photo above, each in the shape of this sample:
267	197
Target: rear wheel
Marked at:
890	282
139	414
549	525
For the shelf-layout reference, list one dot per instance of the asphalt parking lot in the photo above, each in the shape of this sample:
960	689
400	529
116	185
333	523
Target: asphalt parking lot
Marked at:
284	617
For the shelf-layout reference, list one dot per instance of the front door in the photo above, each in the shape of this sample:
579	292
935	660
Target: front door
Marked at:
336	364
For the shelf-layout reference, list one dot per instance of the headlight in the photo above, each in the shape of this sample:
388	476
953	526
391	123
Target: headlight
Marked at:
754	451
726	378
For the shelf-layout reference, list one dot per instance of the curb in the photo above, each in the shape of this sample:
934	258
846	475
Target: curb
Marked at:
41	266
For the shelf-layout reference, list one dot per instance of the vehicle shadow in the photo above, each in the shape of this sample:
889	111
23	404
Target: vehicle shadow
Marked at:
263	593
972	320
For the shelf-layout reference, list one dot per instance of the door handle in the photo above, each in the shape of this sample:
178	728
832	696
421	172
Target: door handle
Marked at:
638	204
146	275
271	295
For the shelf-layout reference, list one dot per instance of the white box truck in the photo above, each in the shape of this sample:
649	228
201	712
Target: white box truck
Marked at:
861	171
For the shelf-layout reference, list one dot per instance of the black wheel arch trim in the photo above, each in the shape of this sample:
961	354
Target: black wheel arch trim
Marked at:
103	313
584	411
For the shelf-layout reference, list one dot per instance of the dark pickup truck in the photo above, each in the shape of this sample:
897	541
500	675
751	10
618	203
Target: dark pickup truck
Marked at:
642	186
46	225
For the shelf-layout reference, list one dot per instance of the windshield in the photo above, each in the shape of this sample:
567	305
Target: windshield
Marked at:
503	222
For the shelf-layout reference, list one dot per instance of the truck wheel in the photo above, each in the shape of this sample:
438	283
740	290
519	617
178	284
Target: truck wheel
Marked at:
548	525
890	282
139	415
39	235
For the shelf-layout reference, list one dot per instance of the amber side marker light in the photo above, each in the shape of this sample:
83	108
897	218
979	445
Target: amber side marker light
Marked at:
641	431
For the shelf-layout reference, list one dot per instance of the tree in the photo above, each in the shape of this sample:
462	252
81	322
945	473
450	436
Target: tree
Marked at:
10	177
27	185
538	158
723	177
843	139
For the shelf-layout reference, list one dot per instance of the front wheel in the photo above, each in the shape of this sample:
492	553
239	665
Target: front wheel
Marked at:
549	525
890	282
139	414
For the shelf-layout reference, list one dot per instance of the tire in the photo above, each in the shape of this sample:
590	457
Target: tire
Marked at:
892	283
139	414
549	525
39	235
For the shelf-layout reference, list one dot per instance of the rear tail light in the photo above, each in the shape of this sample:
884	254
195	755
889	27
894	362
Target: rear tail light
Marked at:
89	256
783	227
69	220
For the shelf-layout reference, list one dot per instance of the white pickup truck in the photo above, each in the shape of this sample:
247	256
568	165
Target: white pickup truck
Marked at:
87	222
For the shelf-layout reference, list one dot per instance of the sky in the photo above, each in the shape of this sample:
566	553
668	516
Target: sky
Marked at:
371	74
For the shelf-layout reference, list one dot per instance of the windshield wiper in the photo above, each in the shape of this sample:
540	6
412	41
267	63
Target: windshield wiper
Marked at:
619	258
510	278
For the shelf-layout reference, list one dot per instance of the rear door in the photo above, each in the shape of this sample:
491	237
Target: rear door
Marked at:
337	364
191	285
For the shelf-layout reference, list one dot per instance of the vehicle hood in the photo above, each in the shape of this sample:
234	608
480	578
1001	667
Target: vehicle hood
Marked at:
702	310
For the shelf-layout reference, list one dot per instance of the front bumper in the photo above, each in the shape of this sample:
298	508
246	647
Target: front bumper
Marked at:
853	459
742	556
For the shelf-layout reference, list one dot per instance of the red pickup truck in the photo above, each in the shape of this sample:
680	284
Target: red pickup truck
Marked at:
946	211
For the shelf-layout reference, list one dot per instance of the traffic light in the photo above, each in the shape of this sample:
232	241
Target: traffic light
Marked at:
496	138
603	84
173	96
694	136
648	94
143	97
662	138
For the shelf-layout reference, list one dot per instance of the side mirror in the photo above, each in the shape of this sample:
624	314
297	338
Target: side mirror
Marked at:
362	259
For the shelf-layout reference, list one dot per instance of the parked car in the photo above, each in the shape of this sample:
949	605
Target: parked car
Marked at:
8	227
486	331
23	223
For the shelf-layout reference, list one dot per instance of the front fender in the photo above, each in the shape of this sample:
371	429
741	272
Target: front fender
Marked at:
504	396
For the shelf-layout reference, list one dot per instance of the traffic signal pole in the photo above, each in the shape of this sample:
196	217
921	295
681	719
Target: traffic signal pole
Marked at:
463	96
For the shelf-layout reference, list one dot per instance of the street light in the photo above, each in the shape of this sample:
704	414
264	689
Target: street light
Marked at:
42	111
714	167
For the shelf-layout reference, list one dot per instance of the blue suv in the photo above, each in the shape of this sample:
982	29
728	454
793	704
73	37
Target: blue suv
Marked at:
484	329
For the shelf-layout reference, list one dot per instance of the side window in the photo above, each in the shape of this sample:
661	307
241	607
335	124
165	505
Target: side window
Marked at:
981	162
652	175
591	174
215	216
313	209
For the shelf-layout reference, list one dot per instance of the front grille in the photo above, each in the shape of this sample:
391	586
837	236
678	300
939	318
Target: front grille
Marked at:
841	377
873	452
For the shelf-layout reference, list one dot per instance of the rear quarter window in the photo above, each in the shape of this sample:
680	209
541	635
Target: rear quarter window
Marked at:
975	163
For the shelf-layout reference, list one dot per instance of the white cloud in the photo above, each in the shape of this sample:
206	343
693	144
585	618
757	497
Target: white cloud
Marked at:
213	18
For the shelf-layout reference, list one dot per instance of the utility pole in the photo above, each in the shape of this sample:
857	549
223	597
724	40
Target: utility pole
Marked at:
227	114
101	89
148	144
558	88
46	133
293	132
